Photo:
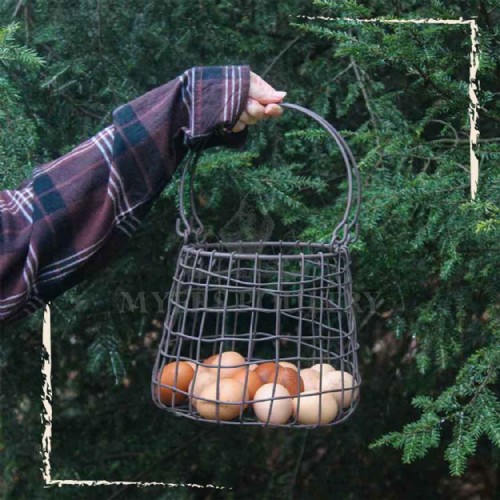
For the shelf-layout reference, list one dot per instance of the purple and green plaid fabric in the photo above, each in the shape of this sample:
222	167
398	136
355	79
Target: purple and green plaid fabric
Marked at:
74	213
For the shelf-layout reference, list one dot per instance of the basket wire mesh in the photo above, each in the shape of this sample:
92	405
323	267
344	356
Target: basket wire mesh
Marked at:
262	333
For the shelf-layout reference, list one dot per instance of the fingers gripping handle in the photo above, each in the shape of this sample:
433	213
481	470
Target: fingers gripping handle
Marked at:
342	234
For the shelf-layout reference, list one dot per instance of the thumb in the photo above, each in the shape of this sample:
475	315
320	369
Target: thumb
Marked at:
263	92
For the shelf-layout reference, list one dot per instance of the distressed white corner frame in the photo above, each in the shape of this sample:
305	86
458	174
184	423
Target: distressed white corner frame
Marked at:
46	415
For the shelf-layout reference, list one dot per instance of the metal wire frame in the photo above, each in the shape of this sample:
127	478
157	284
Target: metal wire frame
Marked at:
193	226
269	301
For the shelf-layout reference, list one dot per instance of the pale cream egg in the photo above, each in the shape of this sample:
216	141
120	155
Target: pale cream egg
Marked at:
192	364
338	380
306	408
230	362
223	400
274	411
310	378
323	368
201	380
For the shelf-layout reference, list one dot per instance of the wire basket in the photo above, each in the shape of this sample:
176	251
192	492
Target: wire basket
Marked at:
262	333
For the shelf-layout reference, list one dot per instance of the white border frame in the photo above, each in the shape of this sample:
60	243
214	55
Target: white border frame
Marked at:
46	415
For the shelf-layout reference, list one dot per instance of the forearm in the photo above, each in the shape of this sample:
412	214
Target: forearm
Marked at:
74	213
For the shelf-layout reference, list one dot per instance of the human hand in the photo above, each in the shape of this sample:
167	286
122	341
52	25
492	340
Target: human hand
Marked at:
262	103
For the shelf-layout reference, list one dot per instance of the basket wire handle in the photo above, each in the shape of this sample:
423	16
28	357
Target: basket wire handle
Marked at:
351	168
193	227
189	230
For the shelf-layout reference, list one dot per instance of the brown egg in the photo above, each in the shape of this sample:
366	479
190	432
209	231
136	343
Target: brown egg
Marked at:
254	381
229	362
290	380
287	377
287	364
266	371
225	405
177	374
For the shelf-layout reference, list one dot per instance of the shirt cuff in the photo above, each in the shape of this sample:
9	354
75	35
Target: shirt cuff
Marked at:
215	97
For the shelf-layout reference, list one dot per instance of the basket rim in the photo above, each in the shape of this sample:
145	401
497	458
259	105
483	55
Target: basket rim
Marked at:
220	249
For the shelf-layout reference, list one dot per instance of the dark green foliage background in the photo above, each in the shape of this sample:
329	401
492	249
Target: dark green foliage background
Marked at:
427	256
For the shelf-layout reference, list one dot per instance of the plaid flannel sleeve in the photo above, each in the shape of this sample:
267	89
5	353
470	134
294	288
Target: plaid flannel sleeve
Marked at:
74	213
